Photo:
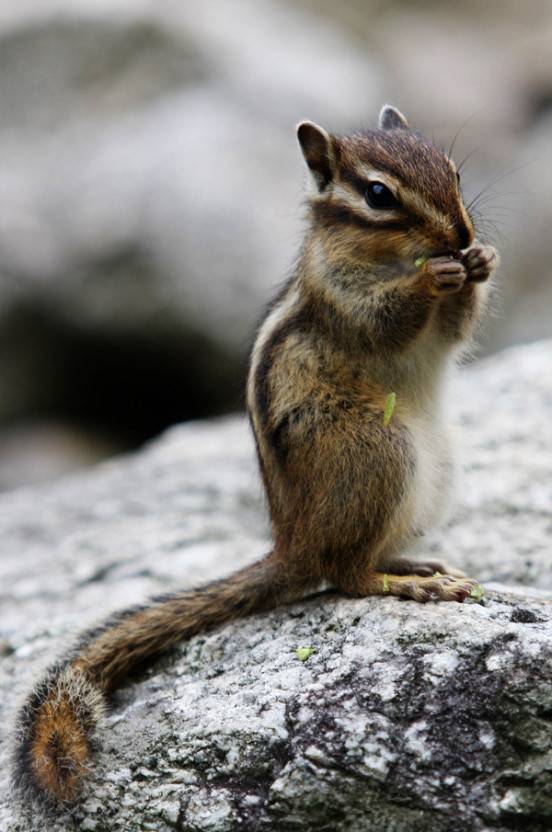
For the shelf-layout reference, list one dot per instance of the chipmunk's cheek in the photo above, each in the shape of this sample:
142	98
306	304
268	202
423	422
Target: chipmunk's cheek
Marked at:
429	239
410	246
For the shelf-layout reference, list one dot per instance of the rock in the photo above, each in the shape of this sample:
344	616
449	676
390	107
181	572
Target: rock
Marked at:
37	452
154	182
405	718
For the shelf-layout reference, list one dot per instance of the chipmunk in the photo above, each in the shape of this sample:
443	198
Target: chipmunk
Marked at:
388	288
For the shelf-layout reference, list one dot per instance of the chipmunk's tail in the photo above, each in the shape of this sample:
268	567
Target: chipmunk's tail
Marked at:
57	724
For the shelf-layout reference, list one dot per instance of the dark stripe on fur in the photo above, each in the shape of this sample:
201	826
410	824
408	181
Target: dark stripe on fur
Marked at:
278	438
278	297
294	323
401	318
352	178
331	214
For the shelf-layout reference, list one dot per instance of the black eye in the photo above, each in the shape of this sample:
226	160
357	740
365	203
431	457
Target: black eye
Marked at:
378	195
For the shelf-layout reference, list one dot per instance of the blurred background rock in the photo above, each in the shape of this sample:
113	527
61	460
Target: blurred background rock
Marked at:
151	188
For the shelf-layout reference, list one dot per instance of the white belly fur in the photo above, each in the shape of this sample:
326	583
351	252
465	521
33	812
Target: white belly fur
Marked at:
434	473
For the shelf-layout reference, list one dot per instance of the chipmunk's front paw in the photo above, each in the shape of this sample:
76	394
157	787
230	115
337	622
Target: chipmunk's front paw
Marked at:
445	275
480	262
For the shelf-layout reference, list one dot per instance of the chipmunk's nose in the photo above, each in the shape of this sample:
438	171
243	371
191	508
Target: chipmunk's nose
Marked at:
464	234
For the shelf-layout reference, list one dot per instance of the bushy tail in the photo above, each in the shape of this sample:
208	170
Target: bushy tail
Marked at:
57	724
55	737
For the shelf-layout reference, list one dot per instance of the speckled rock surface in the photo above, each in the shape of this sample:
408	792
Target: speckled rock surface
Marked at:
406	717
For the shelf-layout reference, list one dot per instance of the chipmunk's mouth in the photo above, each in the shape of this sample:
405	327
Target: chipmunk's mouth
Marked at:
454	254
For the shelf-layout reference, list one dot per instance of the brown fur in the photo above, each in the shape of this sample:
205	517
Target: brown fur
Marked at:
63	721
347	493
58	738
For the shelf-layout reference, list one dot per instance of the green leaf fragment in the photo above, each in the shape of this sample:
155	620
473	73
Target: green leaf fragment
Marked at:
390	402
386	583
477	592
419	262
303	653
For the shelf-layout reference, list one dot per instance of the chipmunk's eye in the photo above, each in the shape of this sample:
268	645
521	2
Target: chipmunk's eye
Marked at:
378	195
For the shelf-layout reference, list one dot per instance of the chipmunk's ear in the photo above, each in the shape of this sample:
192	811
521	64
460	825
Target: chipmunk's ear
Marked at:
316	145
391	119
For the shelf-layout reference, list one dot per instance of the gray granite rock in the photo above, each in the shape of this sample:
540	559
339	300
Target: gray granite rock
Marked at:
148	157
153	181
405	718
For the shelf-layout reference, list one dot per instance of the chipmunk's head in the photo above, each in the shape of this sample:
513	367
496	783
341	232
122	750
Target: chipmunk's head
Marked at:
384	195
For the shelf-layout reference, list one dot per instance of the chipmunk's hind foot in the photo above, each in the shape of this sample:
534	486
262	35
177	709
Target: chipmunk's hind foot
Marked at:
442	587
419	588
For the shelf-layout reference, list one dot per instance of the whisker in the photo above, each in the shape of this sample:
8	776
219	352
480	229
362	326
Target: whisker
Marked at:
485	222
457	134
499	178
468	156
490	206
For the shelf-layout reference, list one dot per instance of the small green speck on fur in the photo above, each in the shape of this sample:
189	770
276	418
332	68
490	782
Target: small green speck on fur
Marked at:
390	403
419	262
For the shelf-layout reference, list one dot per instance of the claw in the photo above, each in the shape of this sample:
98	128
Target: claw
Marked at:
446	274
480	262
445	587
